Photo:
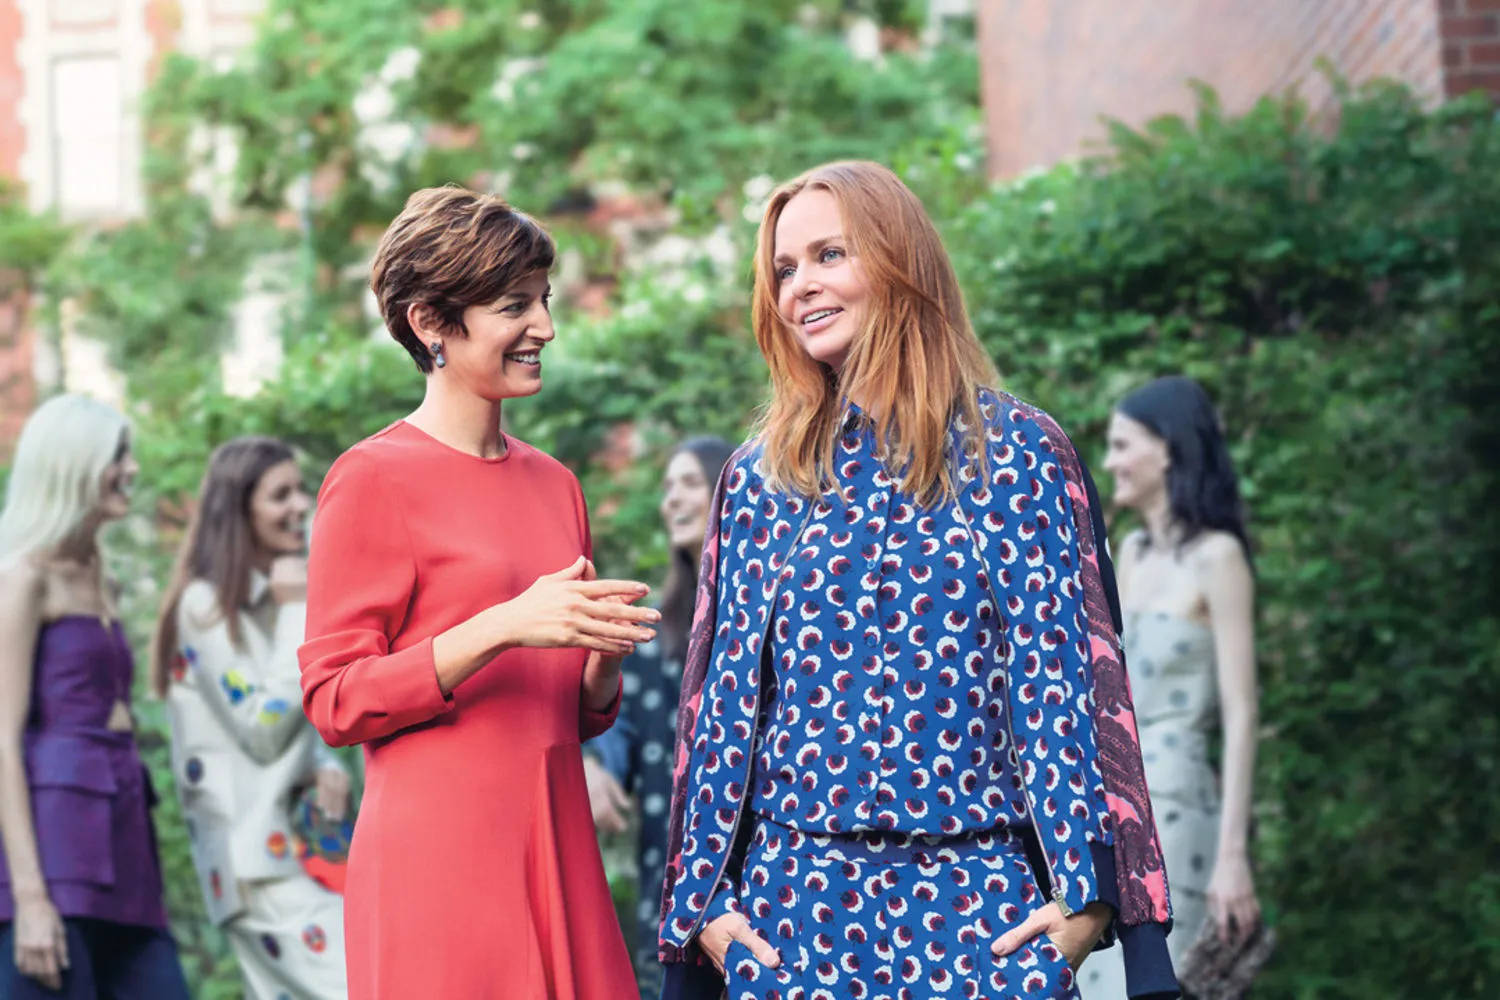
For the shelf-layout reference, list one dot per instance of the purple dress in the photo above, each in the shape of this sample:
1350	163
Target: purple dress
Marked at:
90	793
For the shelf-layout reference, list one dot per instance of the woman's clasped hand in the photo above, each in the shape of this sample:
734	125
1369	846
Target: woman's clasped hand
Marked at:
573	608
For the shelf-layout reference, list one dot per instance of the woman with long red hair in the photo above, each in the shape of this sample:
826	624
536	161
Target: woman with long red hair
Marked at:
906	757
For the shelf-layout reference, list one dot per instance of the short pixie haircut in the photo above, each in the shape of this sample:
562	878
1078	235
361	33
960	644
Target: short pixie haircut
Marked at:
451	248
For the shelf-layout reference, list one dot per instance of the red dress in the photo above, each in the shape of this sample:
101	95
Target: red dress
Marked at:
474	872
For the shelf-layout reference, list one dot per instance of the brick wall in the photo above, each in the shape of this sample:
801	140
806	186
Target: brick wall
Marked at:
1051	70
17	339
1471	45
12	135
17	357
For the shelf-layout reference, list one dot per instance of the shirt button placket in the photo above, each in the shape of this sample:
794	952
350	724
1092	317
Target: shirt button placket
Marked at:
880	505
870	716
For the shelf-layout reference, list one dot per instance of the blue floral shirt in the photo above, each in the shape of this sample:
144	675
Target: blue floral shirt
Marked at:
889	708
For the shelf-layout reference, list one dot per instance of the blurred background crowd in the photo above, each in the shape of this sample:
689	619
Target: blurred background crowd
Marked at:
1296	203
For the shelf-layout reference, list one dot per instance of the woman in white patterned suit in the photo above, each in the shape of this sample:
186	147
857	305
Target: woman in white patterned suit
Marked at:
225	657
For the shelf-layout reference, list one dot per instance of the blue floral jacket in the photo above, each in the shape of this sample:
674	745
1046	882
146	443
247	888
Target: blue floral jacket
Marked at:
1033	519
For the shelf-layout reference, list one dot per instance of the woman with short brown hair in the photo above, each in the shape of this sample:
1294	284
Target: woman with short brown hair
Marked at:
456	630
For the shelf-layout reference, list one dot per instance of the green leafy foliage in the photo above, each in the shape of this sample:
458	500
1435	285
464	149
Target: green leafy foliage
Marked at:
28	241
543	102
1336	294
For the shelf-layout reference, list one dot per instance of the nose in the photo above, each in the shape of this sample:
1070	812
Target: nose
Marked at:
802	283
302	503
541	327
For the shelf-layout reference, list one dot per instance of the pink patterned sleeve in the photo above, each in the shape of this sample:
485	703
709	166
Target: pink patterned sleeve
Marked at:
1138	858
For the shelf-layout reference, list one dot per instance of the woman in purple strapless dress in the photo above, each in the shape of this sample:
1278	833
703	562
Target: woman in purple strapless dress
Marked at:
81	911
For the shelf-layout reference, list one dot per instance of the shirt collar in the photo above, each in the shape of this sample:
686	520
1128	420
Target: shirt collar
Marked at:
259	584
853	417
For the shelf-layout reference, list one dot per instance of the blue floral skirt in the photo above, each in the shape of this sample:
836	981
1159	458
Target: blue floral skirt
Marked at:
891	917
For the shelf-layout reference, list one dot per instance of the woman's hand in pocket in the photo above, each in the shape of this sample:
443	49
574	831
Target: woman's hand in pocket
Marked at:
720	932
1075	936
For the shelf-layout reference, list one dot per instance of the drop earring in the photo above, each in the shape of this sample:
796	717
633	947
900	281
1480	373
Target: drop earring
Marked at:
437	354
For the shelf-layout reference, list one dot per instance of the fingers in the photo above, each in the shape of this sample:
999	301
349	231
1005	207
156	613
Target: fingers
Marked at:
630	589
1034	924
571	572
613	611
597	644
617	797
610	820
61	936
1246	914
600	623
1220	914
40	964
610	803
763	952
332	793
331	802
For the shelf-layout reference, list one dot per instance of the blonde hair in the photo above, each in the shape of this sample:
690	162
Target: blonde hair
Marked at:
914	364
57	471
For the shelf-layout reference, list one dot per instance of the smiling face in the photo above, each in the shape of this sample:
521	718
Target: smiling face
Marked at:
116	480
1137	460
278	510
821	293
684	502
501	356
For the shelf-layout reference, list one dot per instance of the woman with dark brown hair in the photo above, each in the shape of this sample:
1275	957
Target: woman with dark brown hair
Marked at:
633	760
456	630
244	755
906	761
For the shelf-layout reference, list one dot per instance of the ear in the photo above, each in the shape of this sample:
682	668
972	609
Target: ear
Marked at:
424	321
1163	455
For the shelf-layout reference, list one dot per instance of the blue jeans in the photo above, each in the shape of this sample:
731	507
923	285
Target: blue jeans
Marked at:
107	960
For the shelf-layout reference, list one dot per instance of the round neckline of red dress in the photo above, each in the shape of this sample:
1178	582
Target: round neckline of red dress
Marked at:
509	445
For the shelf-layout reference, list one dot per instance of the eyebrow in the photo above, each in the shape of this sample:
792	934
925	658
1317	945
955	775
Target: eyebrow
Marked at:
812	247
516	293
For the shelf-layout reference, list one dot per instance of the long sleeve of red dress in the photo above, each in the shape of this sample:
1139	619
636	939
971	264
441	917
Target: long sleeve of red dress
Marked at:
474	870
357	687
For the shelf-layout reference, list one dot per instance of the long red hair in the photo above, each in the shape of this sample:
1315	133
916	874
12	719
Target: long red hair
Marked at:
913	366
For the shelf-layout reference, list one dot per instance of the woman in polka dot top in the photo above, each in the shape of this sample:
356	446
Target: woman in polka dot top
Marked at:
907	763
242	751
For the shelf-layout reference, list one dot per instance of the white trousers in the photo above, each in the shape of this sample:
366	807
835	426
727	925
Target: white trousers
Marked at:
290	940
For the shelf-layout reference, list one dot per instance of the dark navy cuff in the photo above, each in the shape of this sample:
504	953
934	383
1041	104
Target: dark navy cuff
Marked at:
686	981
1106	887
1148	966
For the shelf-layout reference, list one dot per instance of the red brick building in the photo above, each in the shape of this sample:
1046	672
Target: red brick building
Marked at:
72	73
1051	70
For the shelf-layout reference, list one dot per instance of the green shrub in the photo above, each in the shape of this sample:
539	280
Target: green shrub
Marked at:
1336	291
